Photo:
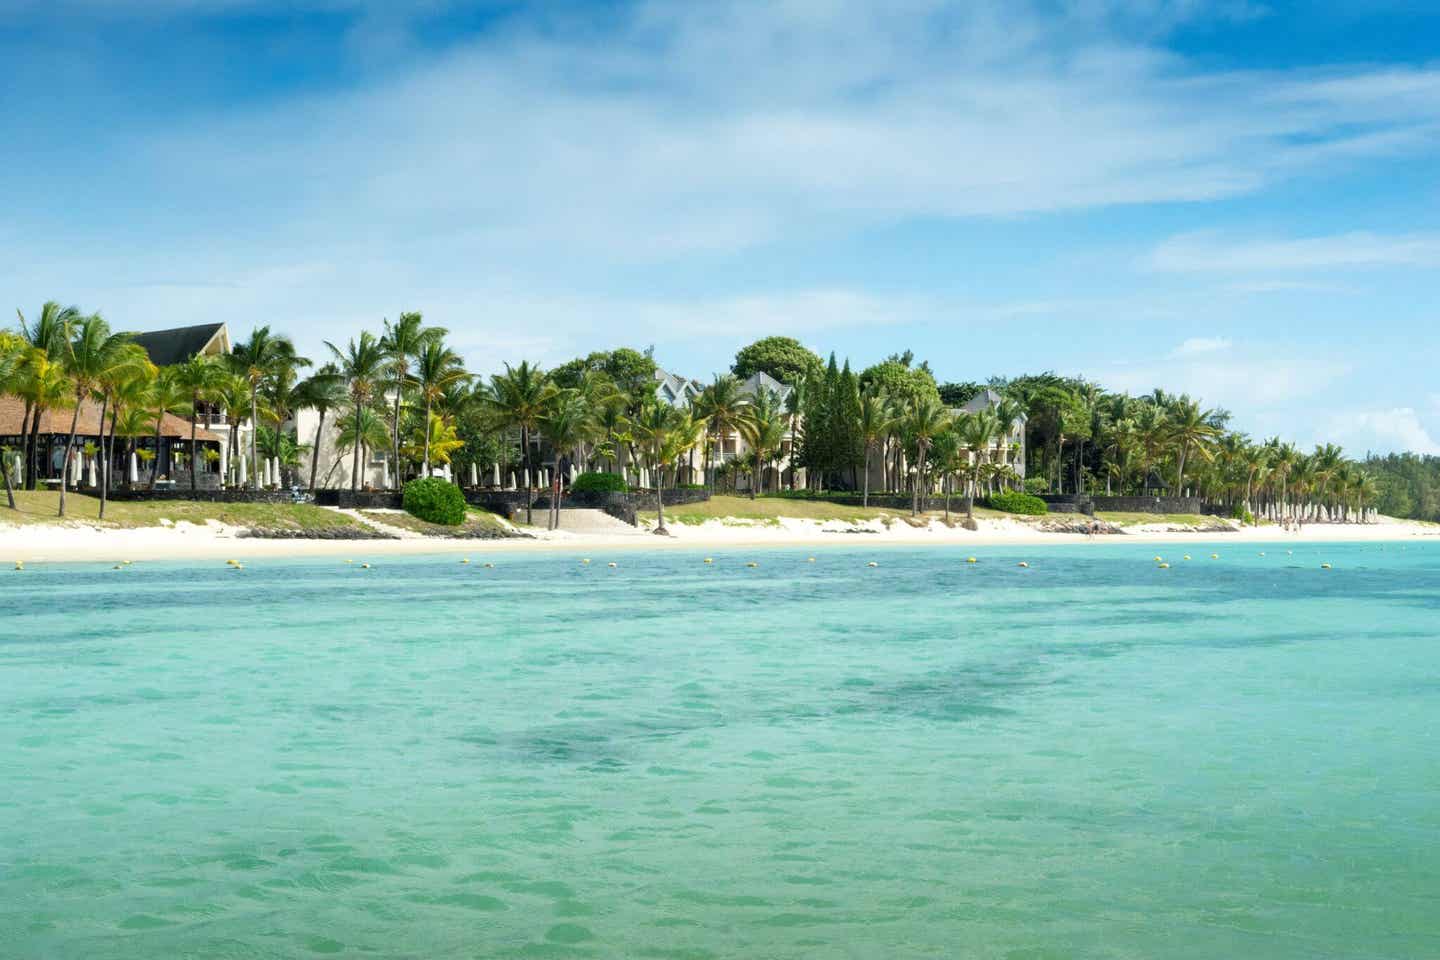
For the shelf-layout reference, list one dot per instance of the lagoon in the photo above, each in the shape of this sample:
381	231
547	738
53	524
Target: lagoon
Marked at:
1088	757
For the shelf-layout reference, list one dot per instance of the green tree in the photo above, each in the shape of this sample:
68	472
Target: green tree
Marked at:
517	399
43	387
362	368
91	355
200	377
783	358
403	342
261	357
322	391
437	369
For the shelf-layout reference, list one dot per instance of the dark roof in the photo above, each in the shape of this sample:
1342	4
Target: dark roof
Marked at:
56	422
178	345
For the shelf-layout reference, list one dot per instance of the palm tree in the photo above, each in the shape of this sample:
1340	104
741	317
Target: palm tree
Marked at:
763	426
166	396
722	406
565	424
874	425
1191	429
322	391
1254	459
795	402
200	377
361	365
124	390
90	356
437	369
517	399
925	419
663	432
363	431
259	358
977	435
1152	436
402	342
41	390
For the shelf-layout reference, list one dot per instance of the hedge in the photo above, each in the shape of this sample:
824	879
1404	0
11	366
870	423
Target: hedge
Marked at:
598	483
1012	501
435	501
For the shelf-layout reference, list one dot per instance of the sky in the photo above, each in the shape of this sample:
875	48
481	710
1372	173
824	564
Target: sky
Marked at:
1239	200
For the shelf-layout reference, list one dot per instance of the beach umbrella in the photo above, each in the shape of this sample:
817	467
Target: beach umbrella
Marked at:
75	469
90	471
275	471
134	475
241	473
474	474
495	474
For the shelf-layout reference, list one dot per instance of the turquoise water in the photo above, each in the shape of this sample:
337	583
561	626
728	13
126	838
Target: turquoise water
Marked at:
1091	757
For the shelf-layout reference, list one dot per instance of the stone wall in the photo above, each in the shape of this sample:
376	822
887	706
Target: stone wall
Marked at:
1150	504
205	496
360	499
624	506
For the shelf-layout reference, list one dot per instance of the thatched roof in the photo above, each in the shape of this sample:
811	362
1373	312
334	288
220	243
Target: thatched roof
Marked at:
12	416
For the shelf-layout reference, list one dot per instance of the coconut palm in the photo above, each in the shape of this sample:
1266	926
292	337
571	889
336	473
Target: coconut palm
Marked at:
322	391
43	389
437	369
977	434
763	427
662	432
1191	430
361	366
200	377
403	342
362	431
91	355
875	423
12	365
124	390
925	418
795	402
722	406
517	399
258	359
564	424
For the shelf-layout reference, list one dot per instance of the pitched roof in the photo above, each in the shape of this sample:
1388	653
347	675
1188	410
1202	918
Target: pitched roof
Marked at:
12	418
674	390
762	379
986	399
178	344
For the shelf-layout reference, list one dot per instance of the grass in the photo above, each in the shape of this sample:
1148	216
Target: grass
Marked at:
1120	519
769	511
476	522
40	506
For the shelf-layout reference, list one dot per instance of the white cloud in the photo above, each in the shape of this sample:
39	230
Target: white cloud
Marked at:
1196	345
1209	252
1398	429
1248	376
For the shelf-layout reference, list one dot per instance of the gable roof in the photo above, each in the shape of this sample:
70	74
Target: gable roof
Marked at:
762	379
178	344
674	390
986	399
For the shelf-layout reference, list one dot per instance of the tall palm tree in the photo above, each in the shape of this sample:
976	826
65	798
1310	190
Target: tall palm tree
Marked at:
91	355
361	365
200	377
361	432
565	424
47	337
123	390
322	391
166	396
1191	430
763	427
259	358
517	399
795	402
663	432
12	365
437	369
924	420
977	435
403	342
874	425
722	406
1152	435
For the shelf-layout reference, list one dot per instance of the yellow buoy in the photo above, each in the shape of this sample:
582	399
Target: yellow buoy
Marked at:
809	559
19	564
709	559
1159	559
1164	566
1214	556
349	561
971	560
238	566
1186	557
231	563
586	560
1022	563
752	563
1262	553
464	559
872	563
1324	566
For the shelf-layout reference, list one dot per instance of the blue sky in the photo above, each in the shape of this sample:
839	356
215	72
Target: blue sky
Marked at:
1240	200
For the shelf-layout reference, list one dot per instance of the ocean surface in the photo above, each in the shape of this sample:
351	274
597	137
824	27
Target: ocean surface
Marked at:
1089	757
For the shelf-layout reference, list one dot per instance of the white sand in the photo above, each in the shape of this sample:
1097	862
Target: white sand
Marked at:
77	542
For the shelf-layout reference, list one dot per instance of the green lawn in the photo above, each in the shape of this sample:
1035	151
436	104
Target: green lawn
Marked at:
40	507
1176	519
770	510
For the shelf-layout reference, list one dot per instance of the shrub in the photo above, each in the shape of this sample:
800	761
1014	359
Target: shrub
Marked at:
598	483
1014	502
435	501
1037	485
1243	515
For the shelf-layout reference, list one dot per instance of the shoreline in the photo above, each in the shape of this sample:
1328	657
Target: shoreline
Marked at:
212	541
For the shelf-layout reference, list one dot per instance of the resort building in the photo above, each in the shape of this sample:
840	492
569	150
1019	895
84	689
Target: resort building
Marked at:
133	459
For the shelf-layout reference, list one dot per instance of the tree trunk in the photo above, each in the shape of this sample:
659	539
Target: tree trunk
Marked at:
315	453
105	455
425	460
399	390
155	464
659	504
254	438
32	472
529	480
5	470
24	441
355	454
194	451
865	497
69	446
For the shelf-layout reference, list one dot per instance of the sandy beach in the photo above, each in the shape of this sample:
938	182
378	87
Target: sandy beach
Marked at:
82	542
